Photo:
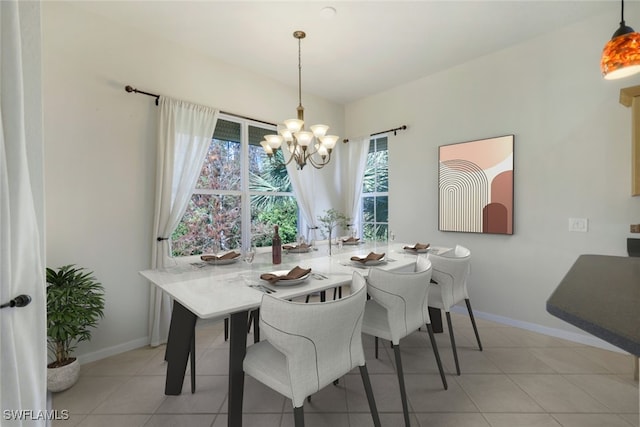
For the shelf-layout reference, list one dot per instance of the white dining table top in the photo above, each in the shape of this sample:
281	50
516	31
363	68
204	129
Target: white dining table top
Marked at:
210	291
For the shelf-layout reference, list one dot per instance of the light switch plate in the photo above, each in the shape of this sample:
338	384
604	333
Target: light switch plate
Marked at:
578	224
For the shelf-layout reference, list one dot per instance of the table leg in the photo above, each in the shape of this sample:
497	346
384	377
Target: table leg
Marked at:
181	334
237	351
436	320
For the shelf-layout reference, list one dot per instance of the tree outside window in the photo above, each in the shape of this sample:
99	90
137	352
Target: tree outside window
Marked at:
375	191
240	194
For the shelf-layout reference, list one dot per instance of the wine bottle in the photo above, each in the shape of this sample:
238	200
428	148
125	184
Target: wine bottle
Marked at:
276	247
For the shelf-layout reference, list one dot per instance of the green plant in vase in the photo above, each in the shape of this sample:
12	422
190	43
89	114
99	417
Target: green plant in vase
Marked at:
330	220
75	303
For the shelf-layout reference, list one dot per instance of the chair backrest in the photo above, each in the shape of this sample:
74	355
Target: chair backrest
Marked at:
451	271
321	341
404	296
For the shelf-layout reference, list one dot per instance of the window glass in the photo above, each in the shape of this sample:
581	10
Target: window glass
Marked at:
375	191
226	210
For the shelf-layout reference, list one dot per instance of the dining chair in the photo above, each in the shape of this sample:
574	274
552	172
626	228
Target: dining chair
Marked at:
298	357
450	273
397	308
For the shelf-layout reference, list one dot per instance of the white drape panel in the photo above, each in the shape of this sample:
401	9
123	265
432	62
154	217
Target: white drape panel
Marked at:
184	135
303	183
23	352
353	171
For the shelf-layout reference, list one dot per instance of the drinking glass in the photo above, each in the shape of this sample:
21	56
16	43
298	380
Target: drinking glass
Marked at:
215	248
249	254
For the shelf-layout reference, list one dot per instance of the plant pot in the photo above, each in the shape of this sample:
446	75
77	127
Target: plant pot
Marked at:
62	378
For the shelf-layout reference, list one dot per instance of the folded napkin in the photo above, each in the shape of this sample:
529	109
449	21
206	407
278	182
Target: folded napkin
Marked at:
300	246
295	273
228	255
417	246
350	240
371	257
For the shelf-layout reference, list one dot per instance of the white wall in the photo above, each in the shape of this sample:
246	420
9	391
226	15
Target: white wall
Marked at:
100	149
572	159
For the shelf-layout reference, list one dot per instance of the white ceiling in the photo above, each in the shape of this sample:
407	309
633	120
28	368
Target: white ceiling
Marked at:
367	47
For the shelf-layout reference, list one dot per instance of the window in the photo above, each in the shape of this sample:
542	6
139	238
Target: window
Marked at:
239	196
375	192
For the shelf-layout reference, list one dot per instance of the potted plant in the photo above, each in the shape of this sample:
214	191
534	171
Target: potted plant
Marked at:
330	220
75	303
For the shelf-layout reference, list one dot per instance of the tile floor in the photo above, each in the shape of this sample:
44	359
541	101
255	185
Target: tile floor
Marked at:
520	379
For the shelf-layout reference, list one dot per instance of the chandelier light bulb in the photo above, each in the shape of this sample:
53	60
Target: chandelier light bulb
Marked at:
274	141
294	125
322	150
329	141
266	147
304	138
319	130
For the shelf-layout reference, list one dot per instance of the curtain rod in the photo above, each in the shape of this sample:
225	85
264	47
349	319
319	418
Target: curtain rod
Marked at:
130	89
394	130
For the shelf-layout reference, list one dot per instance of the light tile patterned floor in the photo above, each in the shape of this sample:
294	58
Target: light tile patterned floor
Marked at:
521	379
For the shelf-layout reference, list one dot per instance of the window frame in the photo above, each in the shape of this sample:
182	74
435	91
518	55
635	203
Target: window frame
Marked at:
375	194
245	193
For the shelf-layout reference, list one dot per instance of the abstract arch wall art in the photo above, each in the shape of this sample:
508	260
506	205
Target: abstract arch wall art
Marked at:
475	182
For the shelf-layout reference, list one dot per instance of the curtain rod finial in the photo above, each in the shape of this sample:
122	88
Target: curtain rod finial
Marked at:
129	89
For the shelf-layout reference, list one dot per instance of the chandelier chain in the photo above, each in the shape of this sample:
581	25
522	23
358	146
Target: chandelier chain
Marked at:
299	74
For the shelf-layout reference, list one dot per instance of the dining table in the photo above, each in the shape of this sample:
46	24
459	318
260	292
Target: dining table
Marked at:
233	289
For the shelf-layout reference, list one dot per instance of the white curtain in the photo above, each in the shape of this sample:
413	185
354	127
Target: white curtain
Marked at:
23	352
184	135
303	183
353	171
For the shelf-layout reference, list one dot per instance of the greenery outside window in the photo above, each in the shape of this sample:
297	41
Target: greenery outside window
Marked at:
240	194
375	191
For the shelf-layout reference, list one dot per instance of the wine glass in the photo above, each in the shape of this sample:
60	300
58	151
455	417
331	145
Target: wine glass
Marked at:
215	248
249	254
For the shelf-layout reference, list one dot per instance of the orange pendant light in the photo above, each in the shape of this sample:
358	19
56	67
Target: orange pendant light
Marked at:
621	55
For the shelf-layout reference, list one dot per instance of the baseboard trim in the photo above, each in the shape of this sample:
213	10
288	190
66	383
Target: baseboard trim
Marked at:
533	327
544	330
112	351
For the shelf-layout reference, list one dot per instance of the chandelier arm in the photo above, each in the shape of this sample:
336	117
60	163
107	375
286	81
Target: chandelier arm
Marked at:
319	165
291	157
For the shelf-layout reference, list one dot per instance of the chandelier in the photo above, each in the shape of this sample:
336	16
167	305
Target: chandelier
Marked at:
621	55
313	146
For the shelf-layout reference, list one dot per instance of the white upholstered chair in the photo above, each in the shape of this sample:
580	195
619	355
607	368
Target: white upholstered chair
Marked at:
397	308
450	274
307	346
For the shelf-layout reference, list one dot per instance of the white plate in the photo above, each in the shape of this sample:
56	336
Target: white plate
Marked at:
222	261
283	282
369	263
417	251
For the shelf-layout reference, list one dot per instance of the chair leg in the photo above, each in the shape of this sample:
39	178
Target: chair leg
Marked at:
473	322
254	317
306	300
437	354
453	342
298	417
376	340
403	391
192	356
226	329
364	373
